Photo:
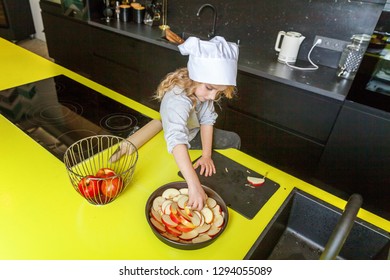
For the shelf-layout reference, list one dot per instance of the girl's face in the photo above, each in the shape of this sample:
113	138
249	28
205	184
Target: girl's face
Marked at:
205	92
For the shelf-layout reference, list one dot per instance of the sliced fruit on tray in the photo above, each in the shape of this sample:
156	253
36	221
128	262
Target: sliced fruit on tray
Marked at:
171	217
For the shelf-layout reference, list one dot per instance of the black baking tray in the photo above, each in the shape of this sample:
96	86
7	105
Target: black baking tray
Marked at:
230	182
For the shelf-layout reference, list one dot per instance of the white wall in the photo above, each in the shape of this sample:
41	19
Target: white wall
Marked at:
36	13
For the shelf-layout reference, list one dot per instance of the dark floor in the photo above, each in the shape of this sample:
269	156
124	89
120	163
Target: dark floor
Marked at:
36	46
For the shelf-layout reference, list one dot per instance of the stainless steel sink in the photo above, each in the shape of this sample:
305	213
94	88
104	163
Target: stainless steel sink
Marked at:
302	227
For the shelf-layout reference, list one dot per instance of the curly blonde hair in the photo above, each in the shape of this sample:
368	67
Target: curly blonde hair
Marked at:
181	79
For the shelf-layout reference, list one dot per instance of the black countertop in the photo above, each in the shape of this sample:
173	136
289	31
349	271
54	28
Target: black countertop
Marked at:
323	81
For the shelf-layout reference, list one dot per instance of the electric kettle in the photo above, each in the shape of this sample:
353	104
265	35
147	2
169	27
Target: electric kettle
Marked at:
287	44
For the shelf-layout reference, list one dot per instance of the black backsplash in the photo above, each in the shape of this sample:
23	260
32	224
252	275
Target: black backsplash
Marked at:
256	23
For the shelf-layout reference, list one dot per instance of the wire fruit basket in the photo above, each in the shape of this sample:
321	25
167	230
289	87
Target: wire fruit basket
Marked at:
93	174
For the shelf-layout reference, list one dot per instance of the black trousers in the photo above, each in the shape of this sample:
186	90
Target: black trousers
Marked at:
222	139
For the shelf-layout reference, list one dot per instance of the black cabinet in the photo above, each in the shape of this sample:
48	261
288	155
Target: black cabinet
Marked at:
116	63
67	39
282	125
16	21
298	111
131	67
127	65
357	156
287	151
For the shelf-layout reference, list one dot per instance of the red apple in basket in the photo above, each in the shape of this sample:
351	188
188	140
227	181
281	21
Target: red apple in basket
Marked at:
105	172
111	187
89	186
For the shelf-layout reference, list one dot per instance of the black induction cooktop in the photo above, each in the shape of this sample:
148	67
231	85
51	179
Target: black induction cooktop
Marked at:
58	111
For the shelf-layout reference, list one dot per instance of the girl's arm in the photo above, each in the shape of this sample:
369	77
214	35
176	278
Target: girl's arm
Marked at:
196	194
207	167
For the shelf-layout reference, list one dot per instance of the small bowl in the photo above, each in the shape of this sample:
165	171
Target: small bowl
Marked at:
89	156
177	244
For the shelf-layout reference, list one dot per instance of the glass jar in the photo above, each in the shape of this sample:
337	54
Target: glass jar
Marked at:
352	55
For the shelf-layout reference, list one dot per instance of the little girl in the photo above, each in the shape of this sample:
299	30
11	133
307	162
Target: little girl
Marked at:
187	108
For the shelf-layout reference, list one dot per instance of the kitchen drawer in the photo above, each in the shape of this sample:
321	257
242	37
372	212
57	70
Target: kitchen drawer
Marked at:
68	42
117	48
122	79
290	152
290	108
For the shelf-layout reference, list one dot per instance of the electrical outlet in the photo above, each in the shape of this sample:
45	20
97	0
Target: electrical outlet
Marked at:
330	43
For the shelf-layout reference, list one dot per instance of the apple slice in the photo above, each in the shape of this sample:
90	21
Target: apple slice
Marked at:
217	210
196	212
203	228
255	181
175	218
213	231
157	202
173	231
207	214
166	219
159	226
156	215
183	228
166	206
170	193
184	191
183	214
189	235
196	220
211	202
182	202
188	211
218	221
176	198
174	208
170	236
201	238
186	223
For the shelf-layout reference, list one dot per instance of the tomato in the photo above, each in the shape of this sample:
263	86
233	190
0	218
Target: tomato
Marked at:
112	187
89	186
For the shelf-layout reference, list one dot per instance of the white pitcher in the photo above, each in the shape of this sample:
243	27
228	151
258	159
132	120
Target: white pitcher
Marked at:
290	43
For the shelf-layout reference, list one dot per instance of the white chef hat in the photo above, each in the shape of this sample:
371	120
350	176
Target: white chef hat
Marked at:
213	62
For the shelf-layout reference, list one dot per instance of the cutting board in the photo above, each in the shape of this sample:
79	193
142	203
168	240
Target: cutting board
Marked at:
230	182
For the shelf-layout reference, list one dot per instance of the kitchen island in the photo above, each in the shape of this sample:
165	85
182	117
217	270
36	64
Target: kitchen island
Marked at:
42	217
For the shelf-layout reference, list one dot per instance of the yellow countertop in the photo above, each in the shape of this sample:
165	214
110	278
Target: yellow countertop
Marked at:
43	217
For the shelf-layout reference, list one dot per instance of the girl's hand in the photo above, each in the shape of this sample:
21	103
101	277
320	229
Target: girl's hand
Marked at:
196	194
196	197
207	167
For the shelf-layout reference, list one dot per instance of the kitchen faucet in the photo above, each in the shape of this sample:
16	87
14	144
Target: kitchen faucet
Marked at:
212	33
